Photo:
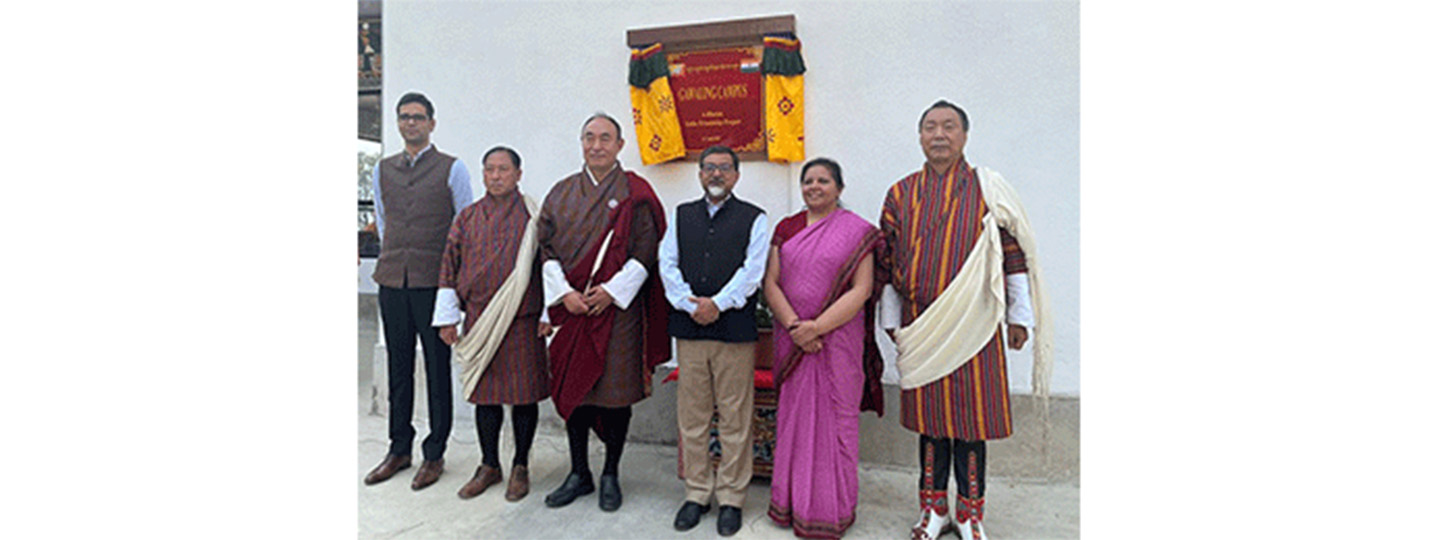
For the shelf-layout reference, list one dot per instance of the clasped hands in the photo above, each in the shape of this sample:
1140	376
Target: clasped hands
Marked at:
706	311
806	334
591	303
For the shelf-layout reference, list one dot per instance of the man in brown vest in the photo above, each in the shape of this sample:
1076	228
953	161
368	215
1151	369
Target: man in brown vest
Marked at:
417	194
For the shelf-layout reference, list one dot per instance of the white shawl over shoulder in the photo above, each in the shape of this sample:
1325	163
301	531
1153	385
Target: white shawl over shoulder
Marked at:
477	347
963	319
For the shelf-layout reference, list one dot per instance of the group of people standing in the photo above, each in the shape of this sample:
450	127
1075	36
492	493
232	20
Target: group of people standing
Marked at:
949	274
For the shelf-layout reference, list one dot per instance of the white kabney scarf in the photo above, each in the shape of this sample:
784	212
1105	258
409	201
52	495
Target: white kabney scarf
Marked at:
963	319
477	347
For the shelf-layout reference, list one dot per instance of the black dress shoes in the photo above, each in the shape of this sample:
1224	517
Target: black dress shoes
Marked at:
609	492
575	485
729	521
689	515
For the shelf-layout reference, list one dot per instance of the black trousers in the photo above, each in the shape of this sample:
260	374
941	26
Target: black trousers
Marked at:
489	419
616	425
407	313
938	455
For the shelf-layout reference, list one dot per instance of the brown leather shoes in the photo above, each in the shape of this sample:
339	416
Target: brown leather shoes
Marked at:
387	468
429	472
485	476
519	483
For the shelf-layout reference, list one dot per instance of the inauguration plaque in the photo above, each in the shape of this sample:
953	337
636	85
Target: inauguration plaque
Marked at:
718	98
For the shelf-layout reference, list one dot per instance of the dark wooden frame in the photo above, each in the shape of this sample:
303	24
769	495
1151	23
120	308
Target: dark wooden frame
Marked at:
714	35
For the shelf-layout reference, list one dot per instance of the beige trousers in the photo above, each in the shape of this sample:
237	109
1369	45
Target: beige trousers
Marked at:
716	376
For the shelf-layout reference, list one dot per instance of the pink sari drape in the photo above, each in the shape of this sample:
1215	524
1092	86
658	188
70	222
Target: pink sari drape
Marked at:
815	486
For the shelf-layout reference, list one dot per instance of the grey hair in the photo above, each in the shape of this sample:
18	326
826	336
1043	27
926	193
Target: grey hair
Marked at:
619	134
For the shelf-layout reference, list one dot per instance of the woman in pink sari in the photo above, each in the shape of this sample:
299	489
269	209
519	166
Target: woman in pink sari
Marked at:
818	283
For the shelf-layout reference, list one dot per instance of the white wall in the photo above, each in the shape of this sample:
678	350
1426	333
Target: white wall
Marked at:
527	74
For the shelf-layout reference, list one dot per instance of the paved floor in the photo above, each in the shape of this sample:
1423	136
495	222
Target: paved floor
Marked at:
1015	509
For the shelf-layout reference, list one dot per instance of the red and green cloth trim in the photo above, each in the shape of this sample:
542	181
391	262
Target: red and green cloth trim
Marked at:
935	500
781	56
647	64
967	509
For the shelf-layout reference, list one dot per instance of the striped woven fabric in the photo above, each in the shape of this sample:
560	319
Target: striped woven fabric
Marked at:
930	223
479	254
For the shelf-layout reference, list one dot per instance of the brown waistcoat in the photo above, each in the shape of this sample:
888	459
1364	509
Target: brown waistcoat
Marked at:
418	212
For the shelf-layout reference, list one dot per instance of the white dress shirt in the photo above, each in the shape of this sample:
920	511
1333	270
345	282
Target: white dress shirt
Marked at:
741	285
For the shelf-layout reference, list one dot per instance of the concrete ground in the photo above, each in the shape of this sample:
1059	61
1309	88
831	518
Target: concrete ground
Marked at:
1016	508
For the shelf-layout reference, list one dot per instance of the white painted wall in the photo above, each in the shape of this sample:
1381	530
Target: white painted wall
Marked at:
526	74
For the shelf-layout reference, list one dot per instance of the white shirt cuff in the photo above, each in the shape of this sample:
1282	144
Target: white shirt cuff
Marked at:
626	283
1017	295
686	305
889	308
447	308
556	287
677	292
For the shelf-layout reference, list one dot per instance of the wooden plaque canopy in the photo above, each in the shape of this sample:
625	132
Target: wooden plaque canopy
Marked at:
711	35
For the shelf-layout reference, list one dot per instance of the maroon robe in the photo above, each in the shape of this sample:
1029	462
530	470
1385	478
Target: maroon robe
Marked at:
604	360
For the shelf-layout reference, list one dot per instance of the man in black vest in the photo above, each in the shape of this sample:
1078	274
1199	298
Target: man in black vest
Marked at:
417	194
712	262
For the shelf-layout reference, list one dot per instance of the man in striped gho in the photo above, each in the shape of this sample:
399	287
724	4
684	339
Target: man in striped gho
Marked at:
959	263
490	274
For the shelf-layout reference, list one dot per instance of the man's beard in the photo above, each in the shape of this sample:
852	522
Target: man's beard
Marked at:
715	191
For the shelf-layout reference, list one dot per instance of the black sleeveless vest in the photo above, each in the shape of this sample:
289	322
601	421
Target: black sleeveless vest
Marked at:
711	250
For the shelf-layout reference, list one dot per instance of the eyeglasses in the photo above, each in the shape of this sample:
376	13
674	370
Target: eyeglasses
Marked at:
413	118
712	167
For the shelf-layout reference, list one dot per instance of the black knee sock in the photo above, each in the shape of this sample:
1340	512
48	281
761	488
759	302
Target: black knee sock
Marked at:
617	426
935	463
488	420
970	487
525	418
578	428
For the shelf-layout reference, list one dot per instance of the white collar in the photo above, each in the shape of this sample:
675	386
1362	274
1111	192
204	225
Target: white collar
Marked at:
593	180
713	208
